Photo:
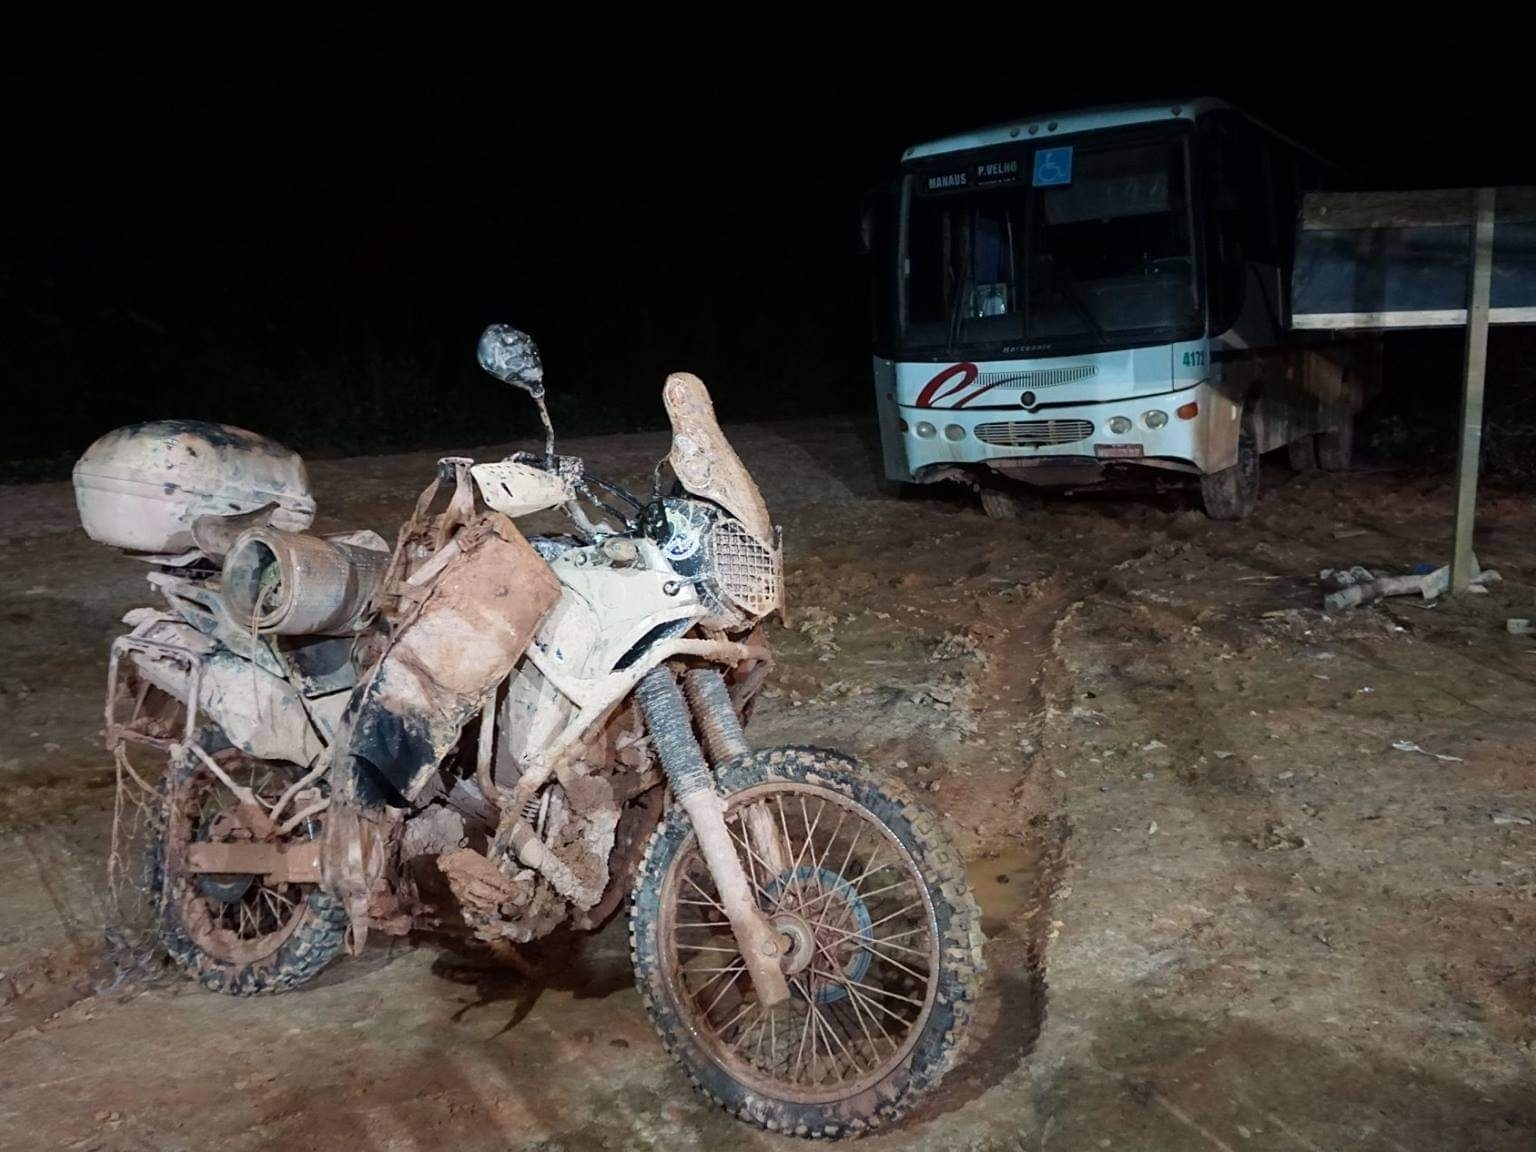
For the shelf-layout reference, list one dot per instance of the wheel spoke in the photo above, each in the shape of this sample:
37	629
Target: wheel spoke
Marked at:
751	855
794	865
868	896
757	821
831	1030
719	972
858	1014
894	963
869	989
871	870
751	866
757	1027
705	894
746	1008
819	1022
773	1033
804	1032
842	818
898	912
808	846
873	941
762	1031
815	1064
789	844
826	905
861	993
724	988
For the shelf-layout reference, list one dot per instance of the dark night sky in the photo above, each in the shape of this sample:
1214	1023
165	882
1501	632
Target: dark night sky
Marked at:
310	246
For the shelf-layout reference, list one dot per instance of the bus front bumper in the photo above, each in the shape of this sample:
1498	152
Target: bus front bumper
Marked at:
1181	430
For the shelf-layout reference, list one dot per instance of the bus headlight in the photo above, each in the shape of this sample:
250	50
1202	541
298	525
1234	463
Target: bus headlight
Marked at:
1154	418
1119	425
926	430
954	432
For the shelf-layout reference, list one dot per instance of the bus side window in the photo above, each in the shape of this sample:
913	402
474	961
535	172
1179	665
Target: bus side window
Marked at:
1224	222
1243	229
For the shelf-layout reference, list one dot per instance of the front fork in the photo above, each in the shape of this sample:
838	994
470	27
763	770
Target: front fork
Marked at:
671	726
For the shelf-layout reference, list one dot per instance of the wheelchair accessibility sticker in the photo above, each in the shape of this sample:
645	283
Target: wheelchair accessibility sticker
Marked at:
1053	167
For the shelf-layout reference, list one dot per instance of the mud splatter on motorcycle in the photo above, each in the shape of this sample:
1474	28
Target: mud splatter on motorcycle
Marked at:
335	736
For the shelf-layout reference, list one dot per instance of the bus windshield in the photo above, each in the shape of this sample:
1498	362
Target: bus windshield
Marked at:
1013	251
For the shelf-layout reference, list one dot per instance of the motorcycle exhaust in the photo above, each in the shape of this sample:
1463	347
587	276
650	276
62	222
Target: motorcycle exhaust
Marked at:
292	584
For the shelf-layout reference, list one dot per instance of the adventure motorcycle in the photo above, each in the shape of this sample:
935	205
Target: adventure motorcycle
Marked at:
516	732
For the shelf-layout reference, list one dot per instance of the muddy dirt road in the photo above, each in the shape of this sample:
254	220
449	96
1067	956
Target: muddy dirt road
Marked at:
1223	911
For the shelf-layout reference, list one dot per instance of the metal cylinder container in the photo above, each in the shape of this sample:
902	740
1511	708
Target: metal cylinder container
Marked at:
293	584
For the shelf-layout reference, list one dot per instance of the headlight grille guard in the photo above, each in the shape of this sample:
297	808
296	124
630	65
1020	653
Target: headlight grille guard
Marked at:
746	575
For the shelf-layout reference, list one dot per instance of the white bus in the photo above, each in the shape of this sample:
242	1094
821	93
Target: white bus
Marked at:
1063	299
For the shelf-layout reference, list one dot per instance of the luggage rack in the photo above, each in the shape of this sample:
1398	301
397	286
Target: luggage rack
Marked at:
122	731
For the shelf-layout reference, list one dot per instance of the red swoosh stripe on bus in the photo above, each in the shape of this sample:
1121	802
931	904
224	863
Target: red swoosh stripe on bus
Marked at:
957	377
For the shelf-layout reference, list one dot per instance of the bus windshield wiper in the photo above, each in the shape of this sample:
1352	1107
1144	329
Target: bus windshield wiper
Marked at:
956	317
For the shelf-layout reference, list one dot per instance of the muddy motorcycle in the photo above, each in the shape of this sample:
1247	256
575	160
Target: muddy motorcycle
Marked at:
512	733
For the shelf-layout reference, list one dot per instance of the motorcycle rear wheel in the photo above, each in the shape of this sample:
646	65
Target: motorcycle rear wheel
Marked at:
884	940
238	934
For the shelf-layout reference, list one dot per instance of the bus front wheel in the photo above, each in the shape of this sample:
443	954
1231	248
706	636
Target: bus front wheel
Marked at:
1232	493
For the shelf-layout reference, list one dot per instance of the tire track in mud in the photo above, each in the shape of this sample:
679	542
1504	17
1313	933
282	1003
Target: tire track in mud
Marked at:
1022	873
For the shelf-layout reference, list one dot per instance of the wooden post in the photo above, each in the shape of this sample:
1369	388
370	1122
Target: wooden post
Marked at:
1479	281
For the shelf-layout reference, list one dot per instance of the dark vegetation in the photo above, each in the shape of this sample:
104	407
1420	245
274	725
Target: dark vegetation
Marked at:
1417	418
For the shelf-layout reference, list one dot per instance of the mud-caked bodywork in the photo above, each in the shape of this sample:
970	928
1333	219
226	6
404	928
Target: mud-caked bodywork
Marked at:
450	704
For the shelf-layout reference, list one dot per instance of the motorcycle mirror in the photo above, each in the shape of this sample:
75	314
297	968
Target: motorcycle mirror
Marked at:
511	355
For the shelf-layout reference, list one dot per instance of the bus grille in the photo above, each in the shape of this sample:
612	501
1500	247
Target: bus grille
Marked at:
1026	433
1039	377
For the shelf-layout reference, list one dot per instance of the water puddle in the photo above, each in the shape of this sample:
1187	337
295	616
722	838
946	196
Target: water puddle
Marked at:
1007	886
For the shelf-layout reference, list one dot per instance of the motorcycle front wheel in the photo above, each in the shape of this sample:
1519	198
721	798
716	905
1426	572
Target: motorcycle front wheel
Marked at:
881	938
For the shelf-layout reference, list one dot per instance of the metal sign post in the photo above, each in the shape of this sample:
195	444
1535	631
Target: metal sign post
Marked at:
1479	283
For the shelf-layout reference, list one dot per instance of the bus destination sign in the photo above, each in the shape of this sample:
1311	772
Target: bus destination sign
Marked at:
981	174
